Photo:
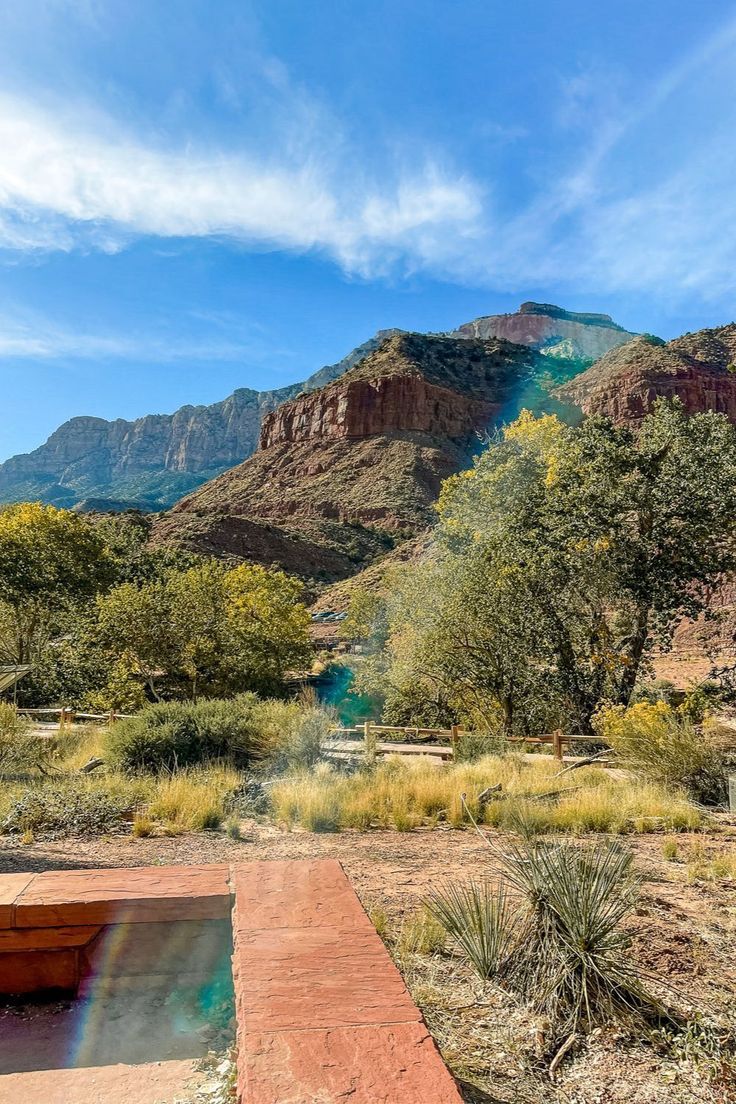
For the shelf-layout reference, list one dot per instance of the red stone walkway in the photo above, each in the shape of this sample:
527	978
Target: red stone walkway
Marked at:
323	1014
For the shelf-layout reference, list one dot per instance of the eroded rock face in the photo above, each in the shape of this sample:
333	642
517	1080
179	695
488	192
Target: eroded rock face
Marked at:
359	463
552	329
155	460
364	408
699	369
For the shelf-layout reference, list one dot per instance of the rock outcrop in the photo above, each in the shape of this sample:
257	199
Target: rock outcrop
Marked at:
552	330
698	368
357	465
152	461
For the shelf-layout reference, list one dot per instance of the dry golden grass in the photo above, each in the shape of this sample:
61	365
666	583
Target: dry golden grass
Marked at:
193	800
402	794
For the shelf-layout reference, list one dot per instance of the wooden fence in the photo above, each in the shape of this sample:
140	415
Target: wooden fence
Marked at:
375	739
67	716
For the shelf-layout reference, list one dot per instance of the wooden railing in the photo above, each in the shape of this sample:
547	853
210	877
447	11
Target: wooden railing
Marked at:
373	737
69	716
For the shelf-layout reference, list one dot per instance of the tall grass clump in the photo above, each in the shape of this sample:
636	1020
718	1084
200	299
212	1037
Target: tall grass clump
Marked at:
513	792
193	800
664	747
552	931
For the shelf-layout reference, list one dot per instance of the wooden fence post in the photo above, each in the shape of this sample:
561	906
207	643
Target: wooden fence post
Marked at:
454	732
370	743
557	744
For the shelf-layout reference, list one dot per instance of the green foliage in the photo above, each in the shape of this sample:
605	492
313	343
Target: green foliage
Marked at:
652	339
206	630
559	558
64	810
241	731
21	748
50	561
666	747
169	735
481	919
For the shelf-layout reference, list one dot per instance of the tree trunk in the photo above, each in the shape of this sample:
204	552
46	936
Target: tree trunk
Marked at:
636	651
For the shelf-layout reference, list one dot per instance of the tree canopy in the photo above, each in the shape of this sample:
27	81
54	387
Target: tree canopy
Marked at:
560	557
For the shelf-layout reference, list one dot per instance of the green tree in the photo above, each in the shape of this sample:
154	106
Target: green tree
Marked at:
50	559
206	630
564	553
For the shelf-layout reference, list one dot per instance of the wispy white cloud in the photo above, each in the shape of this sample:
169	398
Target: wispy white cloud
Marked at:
25	335
608	213
61	186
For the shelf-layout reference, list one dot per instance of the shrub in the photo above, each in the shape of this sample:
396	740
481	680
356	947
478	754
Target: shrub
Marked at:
48	810
666	748
21	748
240	731
481	920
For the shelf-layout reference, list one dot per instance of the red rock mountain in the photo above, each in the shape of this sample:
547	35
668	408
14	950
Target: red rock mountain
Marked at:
553	330
343	473
152	461
698	368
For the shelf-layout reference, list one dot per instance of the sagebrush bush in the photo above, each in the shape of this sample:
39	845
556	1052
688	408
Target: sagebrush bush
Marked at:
241	731
658	744
48	810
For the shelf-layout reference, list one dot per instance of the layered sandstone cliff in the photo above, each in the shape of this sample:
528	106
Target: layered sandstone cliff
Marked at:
358	464
698	368
154	460
552	329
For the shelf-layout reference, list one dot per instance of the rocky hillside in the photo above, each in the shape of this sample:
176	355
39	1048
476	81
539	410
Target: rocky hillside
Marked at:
344	473
152	461
552	330
698	368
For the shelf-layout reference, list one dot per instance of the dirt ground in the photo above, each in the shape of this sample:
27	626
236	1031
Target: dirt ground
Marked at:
684	936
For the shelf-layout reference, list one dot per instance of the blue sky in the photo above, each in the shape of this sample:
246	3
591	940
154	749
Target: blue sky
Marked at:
196	196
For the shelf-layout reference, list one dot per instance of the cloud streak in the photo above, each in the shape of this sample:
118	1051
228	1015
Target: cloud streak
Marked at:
61	187
82	180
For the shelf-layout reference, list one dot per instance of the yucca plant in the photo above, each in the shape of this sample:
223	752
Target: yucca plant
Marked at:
480	917
574	965
553	933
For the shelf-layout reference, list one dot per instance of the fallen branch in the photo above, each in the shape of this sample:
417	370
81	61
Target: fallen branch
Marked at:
584	762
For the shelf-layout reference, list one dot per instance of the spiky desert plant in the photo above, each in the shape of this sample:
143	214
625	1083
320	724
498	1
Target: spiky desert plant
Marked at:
481	918
573	963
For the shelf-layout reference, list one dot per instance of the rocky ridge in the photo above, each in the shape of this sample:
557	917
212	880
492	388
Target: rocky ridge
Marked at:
697	368
356	466
152	461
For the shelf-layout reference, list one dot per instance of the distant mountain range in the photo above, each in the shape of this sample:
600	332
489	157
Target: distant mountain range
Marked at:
150	463
346	472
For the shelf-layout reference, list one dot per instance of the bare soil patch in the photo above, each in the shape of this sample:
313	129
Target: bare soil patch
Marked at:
684	933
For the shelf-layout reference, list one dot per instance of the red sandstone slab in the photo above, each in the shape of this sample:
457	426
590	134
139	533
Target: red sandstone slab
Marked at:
148	1083
322	995
365	1065
32	939
66	897
295	894
36	971
11	886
